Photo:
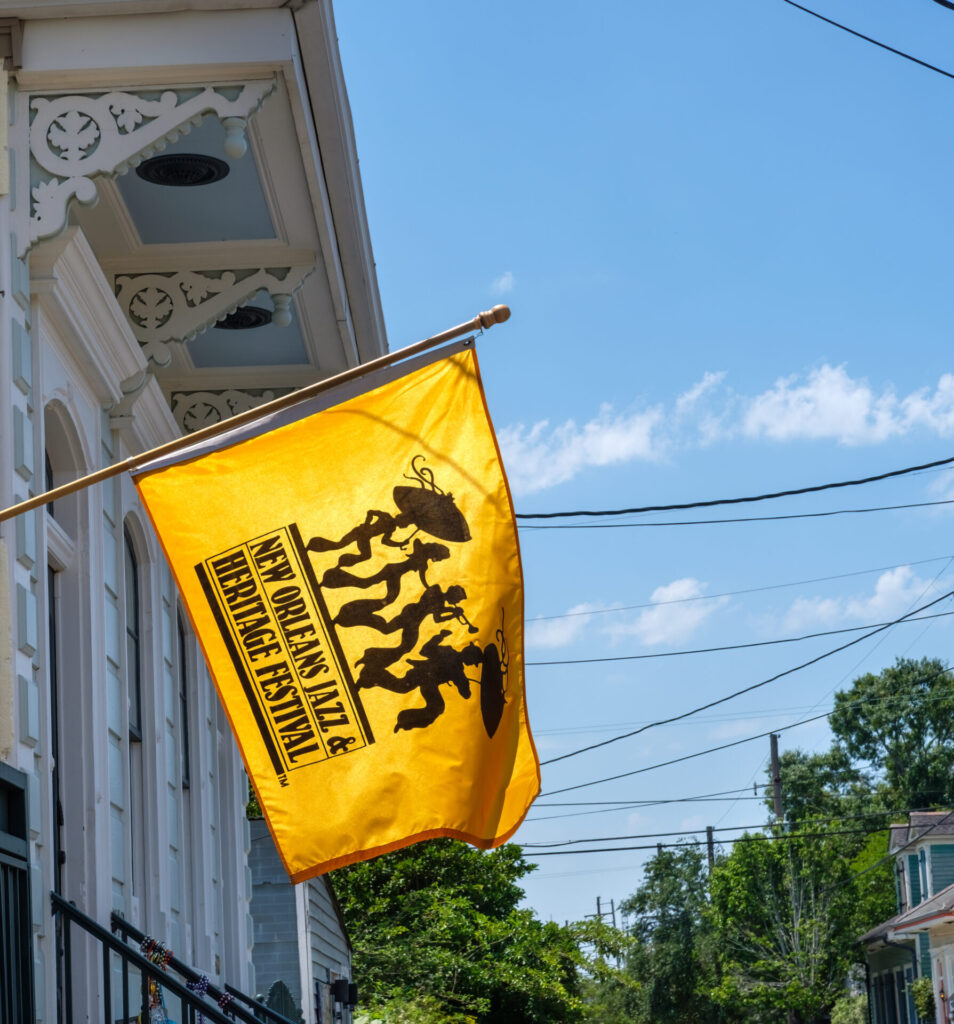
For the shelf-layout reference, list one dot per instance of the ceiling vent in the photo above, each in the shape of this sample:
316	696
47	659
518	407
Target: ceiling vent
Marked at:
245	318
182	170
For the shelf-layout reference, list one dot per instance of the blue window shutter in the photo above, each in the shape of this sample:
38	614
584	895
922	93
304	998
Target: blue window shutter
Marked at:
914	879
942	865
924	947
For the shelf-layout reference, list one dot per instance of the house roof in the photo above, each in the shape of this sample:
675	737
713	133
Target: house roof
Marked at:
920	823
880	931
941	904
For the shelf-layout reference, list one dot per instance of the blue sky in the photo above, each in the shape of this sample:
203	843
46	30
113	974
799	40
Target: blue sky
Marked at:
725	232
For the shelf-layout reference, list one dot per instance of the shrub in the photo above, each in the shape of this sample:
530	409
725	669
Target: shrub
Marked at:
922	992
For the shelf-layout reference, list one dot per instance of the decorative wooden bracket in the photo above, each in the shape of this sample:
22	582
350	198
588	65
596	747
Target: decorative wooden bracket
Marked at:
196	409
74	138
164	308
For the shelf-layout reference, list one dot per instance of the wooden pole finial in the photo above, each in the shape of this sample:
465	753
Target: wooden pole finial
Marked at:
497	315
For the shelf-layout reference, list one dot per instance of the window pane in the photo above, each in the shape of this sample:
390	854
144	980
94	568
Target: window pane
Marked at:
183	705
132	639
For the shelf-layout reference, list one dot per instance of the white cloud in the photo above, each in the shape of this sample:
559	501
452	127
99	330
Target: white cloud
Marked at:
550	633
895	592
688	400
830	404
825	404
540	456
676	615
504	284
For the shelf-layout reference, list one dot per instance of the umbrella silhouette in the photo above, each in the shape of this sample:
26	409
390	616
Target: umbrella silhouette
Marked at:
433	512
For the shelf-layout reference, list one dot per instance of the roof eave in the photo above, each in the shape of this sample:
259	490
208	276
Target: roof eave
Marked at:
99	8
331	114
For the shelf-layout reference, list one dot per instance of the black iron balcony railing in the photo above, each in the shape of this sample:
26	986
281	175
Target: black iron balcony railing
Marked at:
183	1004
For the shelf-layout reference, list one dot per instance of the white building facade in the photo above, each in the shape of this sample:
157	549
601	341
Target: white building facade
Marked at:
183	237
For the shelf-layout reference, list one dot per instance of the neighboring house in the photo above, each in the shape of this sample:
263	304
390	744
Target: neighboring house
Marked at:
226	260
919	940
300	935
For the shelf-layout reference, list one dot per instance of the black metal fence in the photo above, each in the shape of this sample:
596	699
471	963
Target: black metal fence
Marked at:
16	954
128	976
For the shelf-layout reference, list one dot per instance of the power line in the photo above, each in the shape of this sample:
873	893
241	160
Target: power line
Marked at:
687	757
868	39
747	689
624	806
752	716
712	750
639	806
738	501
645	803
736	593
714	522
784	837
736	647
724	828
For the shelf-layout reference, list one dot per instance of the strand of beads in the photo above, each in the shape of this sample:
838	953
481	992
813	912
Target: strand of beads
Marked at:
155	952
199	986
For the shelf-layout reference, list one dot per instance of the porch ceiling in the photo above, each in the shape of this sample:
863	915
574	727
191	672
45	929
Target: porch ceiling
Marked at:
275	208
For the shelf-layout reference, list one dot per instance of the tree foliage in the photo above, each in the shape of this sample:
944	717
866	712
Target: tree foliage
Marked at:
820	785
674	958
436	929
780	909
850	1010
778	917
901	723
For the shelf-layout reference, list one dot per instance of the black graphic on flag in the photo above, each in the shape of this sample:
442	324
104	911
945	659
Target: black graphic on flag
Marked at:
422	508
270	596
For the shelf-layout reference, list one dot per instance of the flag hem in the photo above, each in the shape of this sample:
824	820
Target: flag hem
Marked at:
398	844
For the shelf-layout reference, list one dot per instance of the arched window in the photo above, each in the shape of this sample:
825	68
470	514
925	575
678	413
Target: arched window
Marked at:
183	706
48	484
132	603
185	842
133	633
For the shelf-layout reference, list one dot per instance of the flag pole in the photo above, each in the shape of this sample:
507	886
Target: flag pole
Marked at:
483	321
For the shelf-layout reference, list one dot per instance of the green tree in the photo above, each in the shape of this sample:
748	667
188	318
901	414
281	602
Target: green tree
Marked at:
674	957
873	888
824	785
901	723
437	926
782	909
850	1010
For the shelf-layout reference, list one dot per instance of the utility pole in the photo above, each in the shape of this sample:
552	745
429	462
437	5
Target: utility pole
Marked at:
710	846
601	913
776	777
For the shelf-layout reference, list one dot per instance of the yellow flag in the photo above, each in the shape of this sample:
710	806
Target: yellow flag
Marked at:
354	578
